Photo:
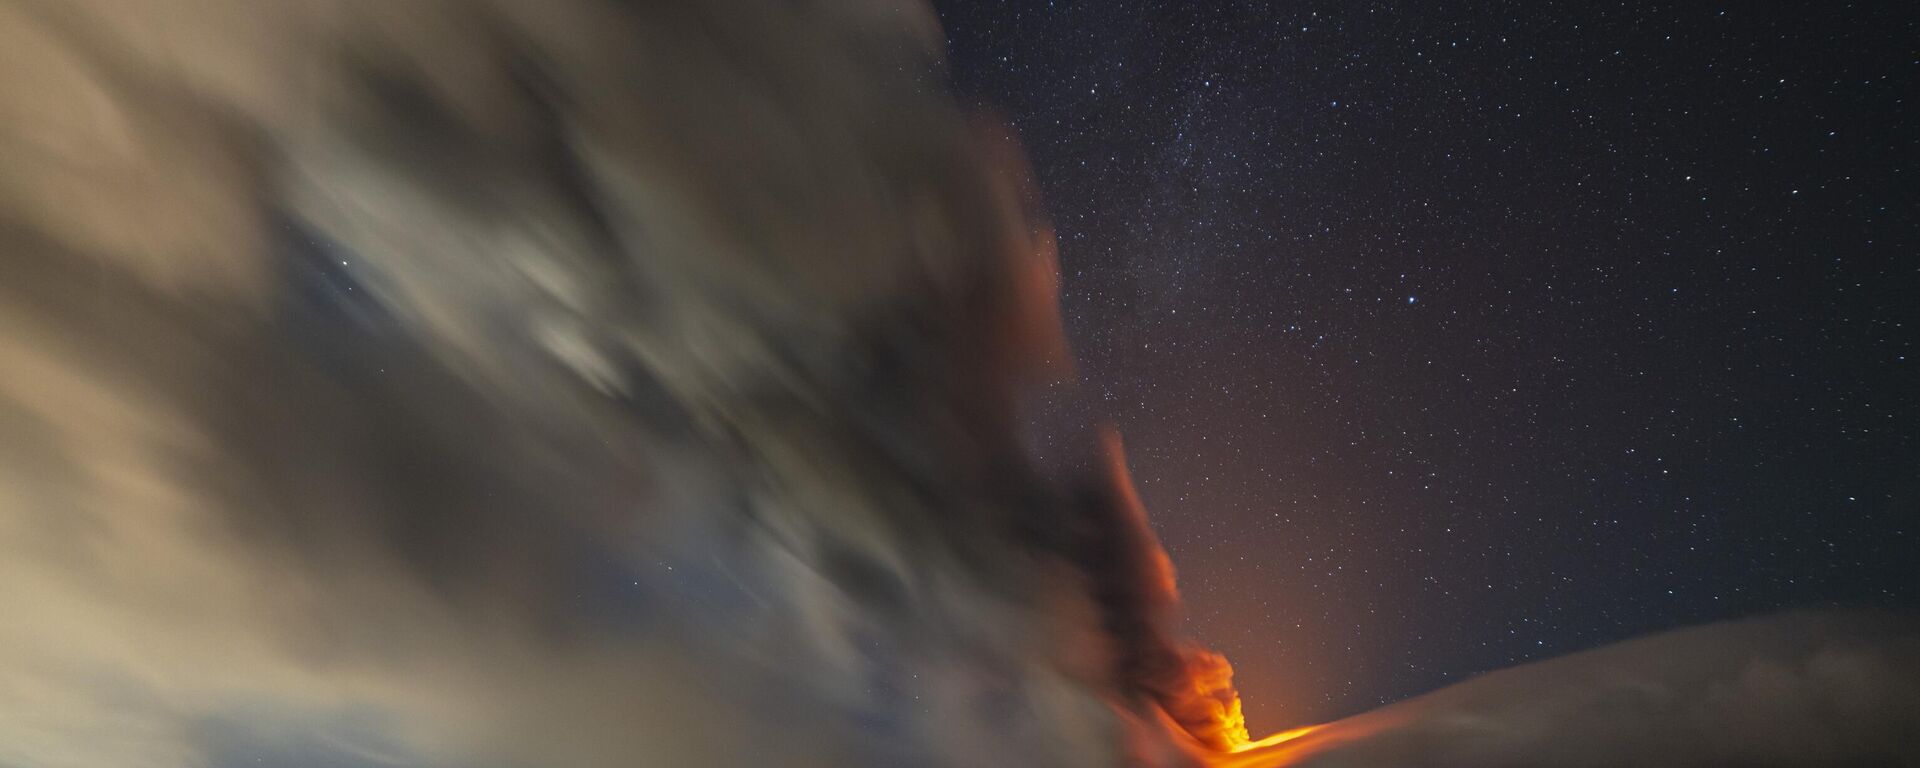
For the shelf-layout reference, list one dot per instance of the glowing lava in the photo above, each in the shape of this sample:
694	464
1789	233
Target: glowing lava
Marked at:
1212	678
1191	686
1278	738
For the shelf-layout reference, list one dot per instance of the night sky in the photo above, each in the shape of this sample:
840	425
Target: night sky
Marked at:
1449	338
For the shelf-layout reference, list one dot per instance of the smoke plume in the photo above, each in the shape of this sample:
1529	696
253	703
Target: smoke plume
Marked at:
532	383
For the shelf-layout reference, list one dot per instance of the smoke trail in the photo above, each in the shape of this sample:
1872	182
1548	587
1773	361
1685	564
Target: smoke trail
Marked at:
515	383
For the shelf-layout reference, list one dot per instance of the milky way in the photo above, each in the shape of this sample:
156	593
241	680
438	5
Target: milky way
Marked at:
1447	339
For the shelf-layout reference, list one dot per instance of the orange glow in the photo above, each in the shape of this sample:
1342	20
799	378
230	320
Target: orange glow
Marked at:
1194	687
1212	679
1278	738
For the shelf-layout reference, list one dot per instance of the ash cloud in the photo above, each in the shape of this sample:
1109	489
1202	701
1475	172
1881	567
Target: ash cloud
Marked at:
528	383
507	383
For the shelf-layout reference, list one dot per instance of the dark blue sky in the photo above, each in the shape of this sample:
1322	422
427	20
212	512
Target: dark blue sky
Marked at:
1449	337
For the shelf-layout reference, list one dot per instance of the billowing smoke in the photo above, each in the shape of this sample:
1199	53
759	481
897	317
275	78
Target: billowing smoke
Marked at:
533	383
553	383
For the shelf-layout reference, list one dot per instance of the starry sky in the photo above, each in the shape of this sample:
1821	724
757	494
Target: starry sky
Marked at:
1446	337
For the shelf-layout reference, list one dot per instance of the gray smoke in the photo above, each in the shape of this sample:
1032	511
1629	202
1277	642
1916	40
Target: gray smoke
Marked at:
523	383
